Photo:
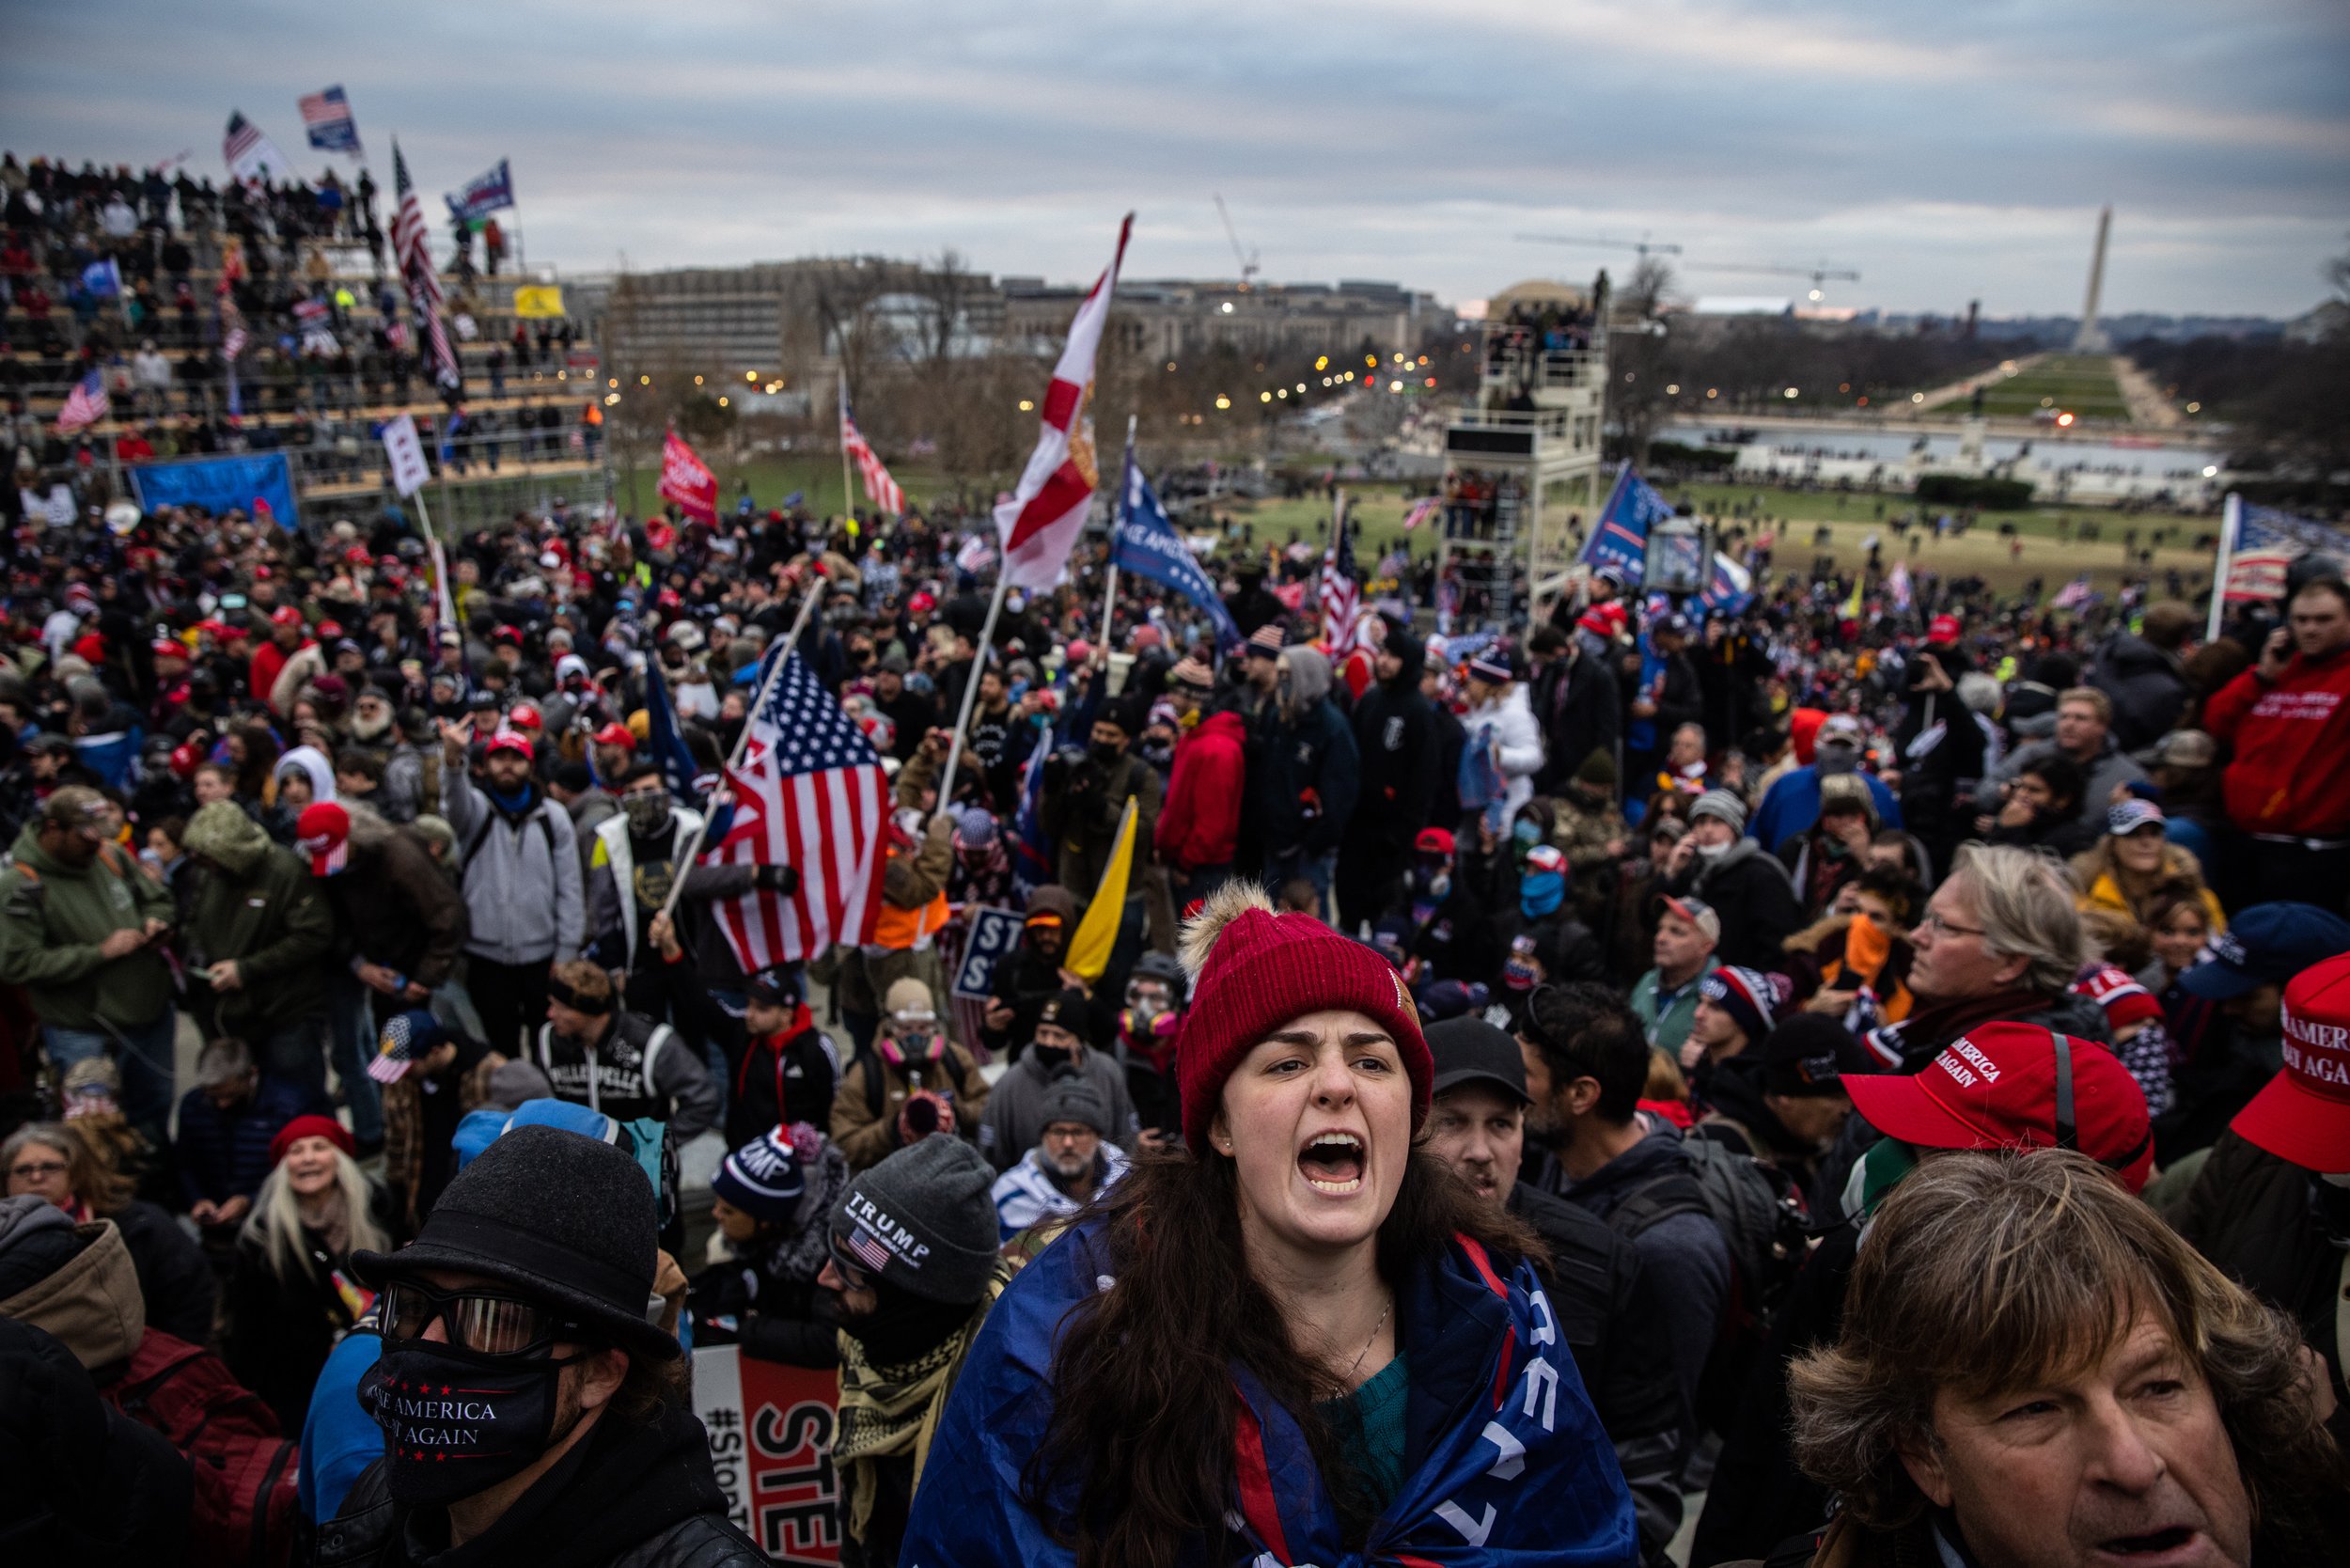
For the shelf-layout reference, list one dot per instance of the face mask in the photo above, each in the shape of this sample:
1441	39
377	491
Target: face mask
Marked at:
1520	974
1540	892
1158	755
1435	884
439	1447
1052	1058
899	1049
1525	836
1712	852
647	814
1105	755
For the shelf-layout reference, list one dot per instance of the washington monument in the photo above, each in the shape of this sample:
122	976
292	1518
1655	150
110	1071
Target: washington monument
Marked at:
2091	339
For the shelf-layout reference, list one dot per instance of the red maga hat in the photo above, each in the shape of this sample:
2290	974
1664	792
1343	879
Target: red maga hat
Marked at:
2303	1115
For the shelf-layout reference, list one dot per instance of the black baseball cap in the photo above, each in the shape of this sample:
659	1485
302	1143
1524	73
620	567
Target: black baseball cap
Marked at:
1469	1050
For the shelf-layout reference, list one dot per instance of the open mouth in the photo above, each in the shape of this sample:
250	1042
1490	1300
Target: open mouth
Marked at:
2153	1543
1333	1163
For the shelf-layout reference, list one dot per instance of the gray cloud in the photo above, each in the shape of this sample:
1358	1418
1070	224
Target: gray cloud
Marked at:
1950	151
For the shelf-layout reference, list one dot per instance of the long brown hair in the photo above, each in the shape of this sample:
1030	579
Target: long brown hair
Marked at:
1144	1405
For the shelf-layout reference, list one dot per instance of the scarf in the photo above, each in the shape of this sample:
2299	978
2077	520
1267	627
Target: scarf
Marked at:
885	1411
800	1256
1919	1038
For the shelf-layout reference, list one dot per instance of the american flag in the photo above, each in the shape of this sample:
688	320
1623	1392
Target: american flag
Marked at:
880	488
809	793
1341	600
413	249
85	405
870	1251
326	116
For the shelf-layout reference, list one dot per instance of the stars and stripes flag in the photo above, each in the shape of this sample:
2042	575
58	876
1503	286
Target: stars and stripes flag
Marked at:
326	116
1341	600
85	405
808	794
1040	521
880	488
249	154
1423	509
412	248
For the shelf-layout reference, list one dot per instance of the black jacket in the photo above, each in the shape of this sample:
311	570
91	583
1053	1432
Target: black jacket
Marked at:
1578	705
1395	740
2148	687
1756	899
173	1276
628	1497
1618	1338
81	1482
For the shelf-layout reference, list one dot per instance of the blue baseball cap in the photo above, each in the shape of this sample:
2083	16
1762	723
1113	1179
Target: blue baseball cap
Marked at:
2267	945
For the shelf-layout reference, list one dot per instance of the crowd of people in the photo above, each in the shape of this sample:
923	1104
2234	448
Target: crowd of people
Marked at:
1820	1086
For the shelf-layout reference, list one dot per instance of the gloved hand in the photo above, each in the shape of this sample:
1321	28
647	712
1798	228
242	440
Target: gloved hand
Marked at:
777	879
923	1114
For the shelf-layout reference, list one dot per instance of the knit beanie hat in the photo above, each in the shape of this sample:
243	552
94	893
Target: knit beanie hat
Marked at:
1753	998
1253	971
1723	804
301	1127
762	1178
1598	768
1069	1097
924	1220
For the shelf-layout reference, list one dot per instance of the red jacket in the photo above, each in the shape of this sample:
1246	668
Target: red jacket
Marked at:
1199	825
2292	740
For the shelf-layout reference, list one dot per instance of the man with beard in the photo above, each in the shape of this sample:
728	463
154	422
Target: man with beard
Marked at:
1016	1107
1073	1163
1395	742
914	1269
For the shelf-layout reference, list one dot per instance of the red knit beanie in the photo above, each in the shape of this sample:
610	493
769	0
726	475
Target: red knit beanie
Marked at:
310	1127
1253	971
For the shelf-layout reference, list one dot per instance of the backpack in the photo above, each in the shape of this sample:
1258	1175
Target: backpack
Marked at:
245	1469
1760	1213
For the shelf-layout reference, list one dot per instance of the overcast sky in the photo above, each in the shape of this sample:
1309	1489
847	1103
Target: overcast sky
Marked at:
1949	151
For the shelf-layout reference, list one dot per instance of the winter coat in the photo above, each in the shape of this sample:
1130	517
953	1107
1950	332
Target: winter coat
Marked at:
80	1481
1507	724
764	1296
392	904
174	1280
638	1069
782	1078
1395	745
2092	873
1200	825
258	904
1304	777
520	875
2109	768
1756	899
1027	1194
281	1330
1580	709
2291	770
52	918
1082	813
1503	1461
222	1154
611	932
2248	1212
864	1108
1015	1107
1792	804
641	1495
2148	686
1563	945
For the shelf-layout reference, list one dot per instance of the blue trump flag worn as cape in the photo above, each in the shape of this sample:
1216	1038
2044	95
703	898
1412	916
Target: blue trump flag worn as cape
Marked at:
1505	1465
1145	542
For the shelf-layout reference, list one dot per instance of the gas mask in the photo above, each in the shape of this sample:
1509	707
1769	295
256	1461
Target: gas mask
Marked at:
647	813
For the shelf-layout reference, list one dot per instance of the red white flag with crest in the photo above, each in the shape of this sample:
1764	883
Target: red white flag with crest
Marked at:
1042	521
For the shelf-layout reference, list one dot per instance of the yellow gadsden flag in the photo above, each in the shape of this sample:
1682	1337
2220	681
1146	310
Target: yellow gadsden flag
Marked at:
1089	950
538	301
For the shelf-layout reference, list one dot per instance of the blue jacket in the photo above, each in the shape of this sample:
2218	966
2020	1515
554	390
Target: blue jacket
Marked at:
224	1155
1505	1463
1792	804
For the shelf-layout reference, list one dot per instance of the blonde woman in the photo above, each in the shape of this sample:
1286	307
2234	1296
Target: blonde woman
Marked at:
291	1298
2125	872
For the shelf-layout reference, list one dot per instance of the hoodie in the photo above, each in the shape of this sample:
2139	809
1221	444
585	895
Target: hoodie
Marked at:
90	1301
1199	825
257	902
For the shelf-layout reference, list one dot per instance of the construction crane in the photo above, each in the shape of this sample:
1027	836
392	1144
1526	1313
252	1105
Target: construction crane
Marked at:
1643	244
1248	260
1818	274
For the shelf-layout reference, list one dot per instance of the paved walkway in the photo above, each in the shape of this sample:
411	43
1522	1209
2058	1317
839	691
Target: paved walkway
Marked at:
2149	407
1936	396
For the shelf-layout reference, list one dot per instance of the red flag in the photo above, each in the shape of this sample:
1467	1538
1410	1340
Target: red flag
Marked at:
688	481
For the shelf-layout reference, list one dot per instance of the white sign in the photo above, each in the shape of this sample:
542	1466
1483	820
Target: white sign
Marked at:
406	454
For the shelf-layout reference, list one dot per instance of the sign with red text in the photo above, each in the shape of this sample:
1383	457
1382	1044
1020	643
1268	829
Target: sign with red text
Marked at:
770	1428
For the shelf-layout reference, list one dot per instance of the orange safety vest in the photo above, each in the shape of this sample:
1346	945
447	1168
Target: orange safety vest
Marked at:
900	929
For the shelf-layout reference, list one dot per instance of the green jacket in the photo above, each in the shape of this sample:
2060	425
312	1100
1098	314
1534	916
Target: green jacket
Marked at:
258	903
1669	1028
52	918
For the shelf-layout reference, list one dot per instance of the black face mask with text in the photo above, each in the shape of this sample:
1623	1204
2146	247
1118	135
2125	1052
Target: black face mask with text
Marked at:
456	1422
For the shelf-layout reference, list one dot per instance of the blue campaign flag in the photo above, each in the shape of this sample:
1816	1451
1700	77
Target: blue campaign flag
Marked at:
1032	852
669	751
247	482
1620	534
2260	527
1145	542
326	116
115	759
1731	589
103	280
483	195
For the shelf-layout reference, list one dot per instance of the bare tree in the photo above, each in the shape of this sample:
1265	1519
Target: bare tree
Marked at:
1635	353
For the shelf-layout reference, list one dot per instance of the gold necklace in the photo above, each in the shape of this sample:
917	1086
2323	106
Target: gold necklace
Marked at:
1373	1340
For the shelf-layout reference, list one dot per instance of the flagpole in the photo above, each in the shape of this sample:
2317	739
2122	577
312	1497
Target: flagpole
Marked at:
750	719
1109	599
848	497
971	687
2231	518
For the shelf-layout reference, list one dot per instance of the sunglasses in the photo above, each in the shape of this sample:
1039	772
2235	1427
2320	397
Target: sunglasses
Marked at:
852	1272
489	1322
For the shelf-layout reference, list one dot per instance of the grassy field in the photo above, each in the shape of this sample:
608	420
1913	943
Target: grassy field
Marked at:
2081	384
